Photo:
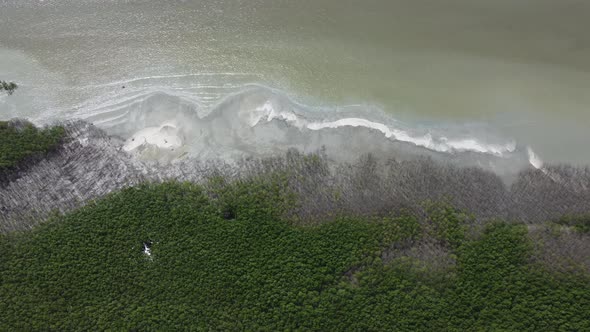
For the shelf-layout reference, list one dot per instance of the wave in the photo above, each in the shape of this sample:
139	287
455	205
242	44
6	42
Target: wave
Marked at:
441	144
257	120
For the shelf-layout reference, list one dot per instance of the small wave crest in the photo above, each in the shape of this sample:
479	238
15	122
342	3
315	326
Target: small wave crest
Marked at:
534	160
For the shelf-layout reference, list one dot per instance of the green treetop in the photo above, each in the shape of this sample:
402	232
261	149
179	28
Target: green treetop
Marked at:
9	87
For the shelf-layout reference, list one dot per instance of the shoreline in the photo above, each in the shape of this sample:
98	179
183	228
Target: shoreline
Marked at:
91	164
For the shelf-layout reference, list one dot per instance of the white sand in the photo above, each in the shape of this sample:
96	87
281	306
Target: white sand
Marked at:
166	136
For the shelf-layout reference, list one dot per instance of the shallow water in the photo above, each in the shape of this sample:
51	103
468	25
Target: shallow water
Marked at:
496	72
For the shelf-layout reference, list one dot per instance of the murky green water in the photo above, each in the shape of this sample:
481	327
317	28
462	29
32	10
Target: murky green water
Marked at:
521	66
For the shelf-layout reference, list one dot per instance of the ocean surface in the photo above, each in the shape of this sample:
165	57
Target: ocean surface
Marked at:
489	82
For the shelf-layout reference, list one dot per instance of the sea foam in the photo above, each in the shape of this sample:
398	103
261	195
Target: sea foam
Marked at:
442	144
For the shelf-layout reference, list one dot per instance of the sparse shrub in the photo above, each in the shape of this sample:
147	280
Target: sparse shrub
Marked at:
580	223
559	249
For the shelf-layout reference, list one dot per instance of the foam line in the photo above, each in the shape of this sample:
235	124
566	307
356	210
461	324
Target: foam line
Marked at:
427	141
534	160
